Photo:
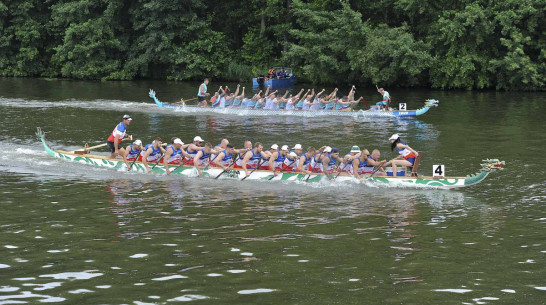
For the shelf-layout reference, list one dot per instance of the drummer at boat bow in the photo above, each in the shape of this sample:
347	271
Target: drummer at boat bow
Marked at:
407	154
117	136
152	153
174	153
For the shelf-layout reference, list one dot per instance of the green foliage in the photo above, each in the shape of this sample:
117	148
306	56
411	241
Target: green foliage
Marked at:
322	42
392	56
469	44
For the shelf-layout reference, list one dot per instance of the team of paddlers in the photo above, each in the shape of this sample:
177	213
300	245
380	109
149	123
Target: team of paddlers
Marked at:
311	100
201	154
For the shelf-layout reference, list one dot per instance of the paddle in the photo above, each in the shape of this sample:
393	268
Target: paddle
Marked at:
183	101
87	148
285	167
257	166
180	166
341	171
314	167
376	169
157	162
131	166
230	165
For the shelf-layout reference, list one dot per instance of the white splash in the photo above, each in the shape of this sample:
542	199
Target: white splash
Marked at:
258	290
170	277
138	255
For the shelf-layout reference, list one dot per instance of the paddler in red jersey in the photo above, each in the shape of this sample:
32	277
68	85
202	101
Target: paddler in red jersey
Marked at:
117	136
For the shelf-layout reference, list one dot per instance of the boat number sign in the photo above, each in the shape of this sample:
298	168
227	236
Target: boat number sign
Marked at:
438	171
402	106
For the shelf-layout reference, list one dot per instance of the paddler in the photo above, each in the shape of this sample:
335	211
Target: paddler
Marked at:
304	164
117	136
174	154
276	161
202	93
223	158
265	162
363	164
329	161
202	158
152	153
407	154
131	152
252	158
192	150
386	99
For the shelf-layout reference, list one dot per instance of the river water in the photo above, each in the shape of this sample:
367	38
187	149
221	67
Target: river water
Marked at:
75	234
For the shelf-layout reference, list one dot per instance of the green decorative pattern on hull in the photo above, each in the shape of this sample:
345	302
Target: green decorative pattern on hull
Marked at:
117	164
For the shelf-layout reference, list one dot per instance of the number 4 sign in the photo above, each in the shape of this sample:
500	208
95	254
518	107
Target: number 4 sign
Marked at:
402	106
438	171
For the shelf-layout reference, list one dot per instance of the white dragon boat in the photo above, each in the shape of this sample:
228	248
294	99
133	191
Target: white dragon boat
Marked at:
392	113
217	173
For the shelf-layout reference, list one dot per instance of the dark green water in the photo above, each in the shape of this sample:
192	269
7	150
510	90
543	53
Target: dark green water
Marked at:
74	234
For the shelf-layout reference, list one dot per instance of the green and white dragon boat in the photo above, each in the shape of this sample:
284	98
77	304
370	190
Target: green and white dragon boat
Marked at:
392	113
213	172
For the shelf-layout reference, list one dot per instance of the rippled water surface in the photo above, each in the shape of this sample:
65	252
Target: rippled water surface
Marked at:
75	234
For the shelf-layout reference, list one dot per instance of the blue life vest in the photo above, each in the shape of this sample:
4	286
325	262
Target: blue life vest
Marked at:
204	90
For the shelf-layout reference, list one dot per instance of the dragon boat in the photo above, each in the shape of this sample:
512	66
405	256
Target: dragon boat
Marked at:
265	175
301	113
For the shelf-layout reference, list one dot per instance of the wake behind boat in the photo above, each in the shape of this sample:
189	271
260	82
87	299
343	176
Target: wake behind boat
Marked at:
266	175
245	111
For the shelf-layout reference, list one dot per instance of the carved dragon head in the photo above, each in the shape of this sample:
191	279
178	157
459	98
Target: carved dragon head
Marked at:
432	103
492	164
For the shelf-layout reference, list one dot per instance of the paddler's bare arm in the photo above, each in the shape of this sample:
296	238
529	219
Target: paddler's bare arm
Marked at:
145	158
196	162
219	158
248	154
167	155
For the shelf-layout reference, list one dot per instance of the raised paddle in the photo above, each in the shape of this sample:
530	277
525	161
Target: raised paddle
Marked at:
257	166
227	168
282	170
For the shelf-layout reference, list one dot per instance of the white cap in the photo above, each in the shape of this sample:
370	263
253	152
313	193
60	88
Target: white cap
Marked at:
127	117
394	137
284	147
137	142
297	146
355	149
275	146
178	141
328	149
293	155
198	138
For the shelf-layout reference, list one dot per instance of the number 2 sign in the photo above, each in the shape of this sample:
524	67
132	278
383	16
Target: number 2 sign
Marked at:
402	106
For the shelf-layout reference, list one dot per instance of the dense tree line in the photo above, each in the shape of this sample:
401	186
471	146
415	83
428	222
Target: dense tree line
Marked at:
469	44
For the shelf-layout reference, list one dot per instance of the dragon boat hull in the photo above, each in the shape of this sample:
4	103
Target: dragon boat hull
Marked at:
212	172
300	113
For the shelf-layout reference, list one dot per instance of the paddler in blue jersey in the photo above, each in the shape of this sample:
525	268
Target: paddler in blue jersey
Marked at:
202	93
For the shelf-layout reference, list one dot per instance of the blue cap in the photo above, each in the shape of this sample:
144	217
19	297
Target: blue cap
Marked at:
335	150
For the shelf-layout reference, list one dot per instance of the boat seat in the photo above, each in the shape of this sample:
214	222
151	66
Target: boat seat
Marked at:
415	166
